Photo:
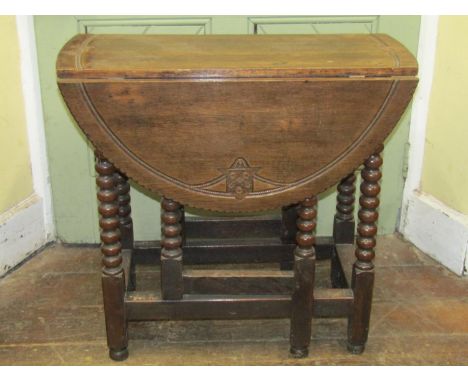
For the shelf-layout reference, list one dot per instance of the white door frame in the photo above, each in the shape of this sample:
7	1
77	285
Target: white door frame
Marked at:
35	118
417	134
29	225
432	226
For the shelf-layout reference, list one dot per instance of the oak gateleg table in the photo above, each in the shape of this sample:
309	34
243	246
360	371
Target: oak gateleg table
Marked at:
238	124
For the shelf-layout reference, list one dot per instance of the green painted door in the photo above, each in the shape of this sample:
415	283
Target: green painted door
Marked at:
71	158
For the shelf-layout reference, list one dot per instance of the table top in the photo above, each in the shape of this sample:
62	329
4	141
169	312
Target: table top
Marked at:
236	123
225	56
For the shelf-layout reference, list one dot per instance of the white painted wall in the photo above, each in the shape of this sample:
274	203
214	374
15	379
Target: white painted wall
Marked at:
35	118
28	226
432	226
438	230
426	60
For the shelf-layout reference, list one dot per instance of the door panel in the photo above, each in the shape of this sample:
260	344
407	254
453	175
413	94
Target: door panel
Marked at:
313	25
71	158
150	25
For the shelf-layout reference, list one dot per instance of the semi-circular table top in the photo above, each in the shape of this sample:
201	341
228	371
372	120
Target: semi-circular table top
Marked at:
236	123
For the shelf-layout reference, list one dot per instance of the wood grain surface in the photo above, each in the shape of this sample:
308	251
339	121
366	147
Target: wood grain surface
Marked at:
90	56
256	139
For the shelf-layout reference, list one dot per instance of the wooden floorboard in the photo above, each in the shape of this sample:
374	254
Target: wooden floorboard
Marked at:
51	314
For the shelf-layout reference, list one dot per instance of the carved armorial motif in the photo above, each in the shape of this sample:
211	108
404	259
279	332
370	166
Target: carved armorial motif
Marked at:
239	178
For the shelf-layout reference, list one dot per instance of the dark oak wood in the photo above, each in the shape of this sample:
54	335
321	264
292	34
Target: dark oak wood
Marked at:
113	276
104	57
205	251
221	227
343	225
183	228
304	274
288	232
261	149
289	216
172	287
362	281
238	124
144	306
126	224
332	303
338	269
150	306
130	282
345	255
238	282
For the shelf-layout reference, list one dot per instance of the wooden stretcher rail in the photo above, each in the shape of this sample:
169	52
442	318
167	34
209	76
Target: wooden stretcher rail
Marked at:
205	251
226	227
238	282
145	306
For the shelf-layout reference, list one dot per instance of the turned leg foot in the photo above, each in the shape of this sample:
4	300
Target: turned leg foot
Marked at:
299	352
118	355
355	349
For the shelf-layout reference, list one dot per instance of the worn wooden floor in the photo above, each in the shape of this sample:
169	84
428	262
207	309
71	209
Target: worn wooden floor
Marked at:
51	314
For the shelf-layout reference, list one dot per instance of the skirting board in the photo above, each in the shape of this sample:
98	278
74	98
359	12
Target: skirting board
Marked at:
437	230
22	232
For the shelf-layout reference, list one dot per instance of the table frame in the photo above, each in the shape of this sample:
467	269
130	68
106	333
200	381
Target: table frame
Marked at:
215	294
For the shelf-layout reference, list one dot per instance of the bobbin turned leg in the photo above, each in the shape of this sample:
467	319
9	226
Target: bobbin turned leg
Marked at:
126	225
304	272
171	253
343	226
113	277
362	281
